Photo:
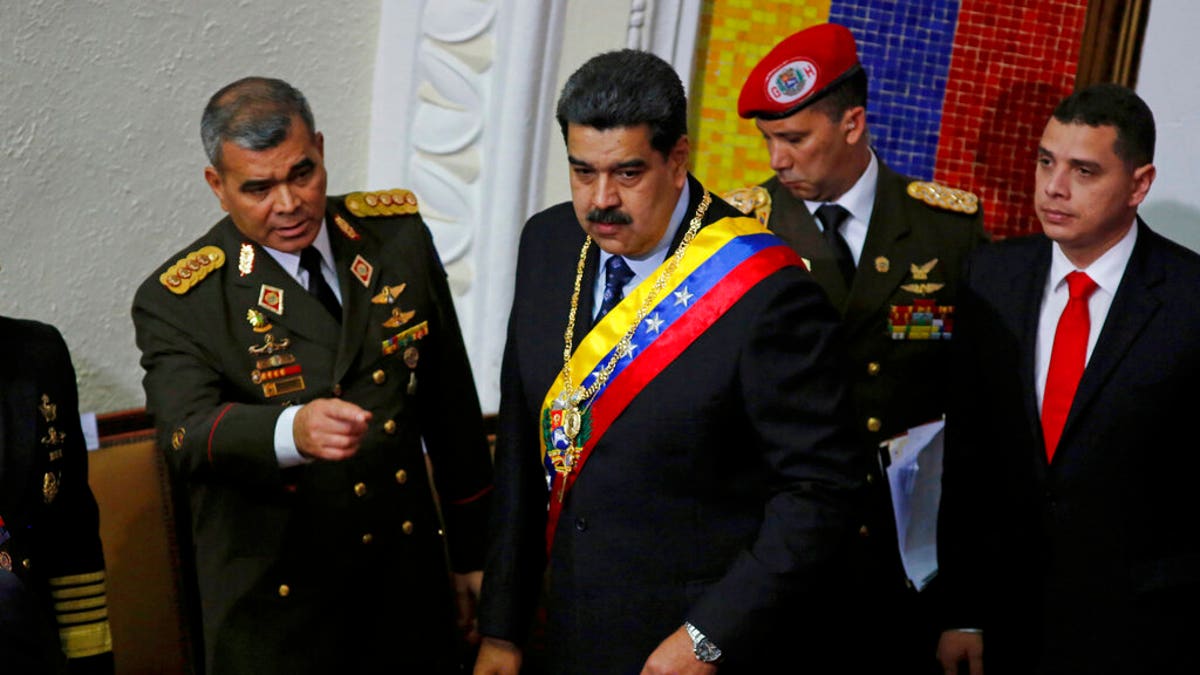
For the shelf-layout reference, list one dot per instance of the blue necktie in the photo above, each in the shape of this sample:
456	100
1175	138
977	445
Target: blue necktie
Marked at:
616	275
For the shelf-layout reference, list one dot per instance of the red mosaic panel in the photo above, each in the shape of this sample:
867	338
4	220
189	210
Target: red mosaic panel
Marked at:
1010	66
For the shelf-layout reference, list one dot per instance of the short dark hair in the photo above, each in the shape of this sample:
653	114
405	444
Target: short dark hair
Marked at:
1115	106
626	88
254	113
849	93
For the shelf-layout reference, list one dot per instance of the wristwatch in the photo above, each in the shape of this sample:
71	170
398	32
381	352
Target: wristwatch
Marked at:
704	649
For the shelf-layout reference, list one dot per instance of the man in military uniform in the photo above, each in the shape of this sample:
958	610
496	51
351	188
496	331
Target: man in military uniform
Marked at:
52	582
296	357
887	251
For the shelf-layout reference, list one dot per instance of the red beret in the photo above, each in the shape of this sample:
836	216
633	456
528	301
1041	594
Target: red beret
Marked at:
798	71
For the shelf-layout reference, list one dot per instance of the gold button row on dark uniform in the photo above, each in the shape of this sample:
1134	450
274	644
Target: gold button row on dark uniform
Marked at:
360	489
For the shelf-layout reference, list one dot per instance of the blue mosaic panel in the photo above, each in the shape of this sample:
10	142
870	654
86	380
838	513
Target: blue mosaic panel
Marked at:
905	46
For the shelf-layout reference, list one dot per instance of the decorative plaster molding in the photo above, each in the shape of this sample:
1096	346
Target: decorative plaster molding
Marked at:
669	29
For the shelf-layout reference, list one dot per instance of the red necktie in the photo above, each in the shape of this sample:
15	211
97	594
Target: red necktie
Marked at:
1066	360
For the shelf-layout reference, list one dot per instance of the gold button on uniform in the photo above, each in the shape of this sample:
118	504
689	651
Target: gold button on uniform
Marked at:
873	368
389	427
284	590
26	563
873	424
360	489
337	390
368	538
407	527
863	531
870	478
402	476
379	376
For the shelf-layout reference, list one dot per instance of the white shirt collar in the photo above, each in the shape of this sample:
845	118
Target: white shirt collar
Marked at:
859	200
1106	270
290	262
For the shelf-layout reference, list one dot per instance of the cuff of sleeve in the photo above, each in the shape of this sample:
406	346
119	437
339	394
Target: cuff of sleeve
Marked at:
286	451
466	532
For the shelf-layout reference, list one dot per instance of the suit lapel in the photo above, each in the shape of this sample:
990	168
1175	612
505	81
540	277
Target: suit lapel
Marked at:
791	222
1026	290
356	296
887	237
301	313
1132	307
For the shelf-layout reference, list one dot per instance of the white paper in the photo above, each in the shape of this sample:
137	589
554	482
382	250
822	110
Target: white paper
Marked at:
914	477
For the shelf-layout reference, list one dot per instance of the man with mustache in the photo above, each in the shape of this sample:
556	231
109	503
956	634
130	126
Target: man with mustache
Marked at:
887	251
1068	526
673	477
297	356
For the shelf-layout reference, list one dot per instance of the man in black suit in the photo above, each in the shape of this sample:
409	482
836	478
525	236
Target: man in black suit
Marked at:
53	600
1068	524
689	420
296	357
896	251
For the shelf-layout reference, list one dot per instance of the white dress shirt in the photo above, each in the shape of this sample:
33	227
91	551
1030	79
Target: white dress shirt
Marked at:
1106	271
859	200
643	267
286	451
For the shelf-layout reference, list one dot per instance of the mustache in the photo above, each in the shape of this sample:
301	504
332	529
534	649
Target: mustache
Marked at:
609	217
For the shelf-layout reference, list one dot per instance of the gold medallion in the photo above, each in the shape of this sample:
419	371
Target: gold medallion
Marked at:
572	421
50	483
49	410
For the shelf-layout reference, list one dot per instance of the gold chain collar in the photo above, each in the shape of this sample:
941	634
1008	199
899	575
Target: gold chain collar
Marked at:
571	397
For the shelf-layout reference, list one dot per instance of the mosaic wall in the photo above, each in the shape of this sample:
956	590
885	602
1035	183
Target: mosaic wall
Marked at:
959	93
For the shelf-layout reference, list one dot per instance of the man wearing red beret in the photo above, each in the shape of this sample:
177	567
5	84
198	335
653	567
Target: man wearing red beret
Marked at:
887	250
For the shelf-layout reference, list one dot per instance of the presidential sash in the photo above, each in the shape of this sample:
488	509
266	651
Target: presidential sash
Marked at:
724	261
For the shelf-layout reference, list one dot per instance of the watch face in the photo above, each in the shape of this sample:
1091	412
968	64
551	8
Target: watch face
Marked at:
706	651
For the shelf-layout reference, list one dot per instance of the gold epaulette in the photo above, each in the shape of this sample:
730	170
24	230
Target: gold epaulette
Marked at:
382	203
189	271
752	201
944	197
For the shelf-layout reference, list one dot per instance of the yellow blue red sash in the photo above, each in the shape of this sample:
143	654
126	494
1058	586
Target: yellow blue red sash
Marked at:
724	261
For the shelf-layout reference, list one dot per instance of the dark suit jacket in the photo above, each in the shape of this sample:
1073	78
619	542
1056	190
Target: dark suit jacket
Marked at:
47	508
719	494
327	565
1089	563
898	383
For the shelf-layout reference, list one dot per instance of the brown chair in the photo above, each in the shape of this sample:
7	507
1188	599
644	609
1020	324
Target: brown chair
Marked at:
146	587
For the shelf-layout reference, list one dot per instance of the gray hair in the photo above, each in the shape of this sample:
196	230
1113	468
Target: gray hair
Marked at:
254	113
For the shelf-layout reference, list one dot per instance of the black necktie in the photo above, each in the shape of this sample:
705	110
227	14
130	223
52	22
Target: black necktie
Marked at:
616	275
310	260
832	216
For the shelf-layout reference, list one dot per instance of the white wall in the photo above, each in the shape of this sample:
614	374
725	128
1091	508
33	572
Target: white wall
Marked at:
100	158
1169	81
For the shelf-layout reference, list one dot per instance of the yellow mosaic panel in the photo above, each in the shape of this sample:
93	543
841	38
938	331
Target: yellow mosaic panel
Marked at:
727	151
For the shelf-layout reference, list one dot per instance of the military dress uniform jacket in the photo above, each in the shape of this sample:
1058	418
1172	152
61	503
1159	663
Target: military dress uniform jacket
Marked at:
914	252
52	577
721	493
326	565
1090	562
